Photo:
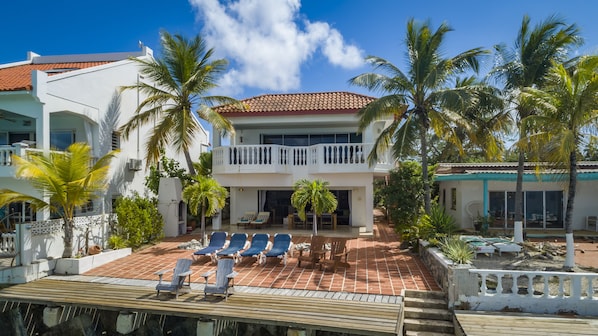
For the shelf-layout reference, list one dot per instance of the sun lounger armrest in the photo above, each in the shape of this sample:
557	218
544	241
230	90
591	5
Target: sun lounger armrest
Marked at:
232	275
161	273
207	274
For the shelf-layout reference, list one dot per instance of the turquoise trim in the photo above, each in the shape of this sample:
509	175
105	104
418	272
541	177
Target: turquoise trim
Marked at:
486	206
513	177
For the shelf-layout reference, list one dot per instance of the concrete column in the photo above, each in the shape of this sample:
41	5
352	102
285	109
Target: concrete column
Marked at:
518	234
125	323
51	316
205	327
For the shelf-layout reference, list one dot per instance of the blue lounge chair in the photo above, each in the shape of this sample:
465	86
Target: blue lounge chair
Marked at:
238	242
181	271
217	243
225	279
280	247
259	243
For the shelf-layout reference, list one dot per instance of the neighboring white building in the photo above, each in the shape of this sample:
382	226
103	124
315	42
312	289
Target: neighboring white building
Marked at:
469	190
282	138
53	101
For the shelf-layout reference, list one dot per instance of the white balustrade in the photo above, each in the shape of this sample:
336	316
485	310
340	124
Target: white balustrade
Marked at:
7	244
533	291
347	157
6	153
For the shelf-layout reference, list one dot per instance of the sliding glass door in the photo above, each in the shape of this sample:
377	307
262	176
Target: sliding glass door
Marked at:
542	209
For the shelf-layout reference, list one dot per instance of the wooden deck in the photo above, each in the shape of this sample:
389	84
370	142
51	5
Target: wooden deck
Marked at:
357	317
501	323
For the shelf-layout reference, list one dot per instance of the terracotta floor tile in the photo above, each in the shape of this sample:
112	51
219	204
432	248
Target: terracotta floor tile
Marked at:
377	266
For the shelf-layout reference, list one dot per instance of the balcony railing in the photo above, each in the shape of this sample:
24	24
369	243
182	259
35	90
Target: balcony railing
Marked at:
22	150
321	158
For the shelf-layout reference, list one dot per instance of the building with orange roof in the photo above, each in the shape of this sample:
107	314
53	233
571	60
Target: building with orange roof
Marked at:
50	102
281	138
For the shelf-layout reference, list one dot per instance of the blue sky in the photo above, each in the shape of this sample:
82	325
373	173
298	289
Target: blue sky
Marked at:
276	46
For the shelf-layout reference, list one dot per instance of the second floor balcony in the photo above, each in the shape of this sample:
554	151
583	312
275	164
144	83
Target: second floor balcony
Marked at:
321	158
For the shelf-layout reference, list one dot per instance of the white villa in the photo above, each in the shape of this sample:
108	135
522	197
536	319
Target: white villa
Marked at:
469	190
282	138
49	102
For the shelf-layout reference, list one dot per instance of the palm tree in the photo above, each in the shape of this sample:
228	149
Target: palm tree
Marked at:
315	195
204	166
183	76
526	65
205	197
419	99
478	127
568	106
66	180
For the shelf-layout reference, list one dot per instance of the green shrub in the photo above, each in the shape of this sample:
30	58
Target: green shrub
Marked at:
116	242
438	221
402	195
456	250
139	221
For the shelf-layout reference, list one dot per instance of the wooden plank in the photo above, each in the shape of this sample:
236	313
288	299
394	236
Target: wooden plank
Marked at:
304	312
491	323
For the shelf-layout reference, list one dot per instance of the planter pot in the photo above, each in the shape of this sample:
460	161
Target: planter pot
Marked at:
84	264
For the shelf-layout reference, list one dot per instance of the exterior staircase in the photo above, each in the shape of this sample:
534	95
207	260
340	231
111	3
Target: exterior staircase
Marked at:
427	314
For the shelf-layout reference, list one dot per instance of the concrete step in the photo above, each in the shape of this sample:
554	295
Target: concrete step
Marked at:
426	333
425	303
425	294
436	326
428	313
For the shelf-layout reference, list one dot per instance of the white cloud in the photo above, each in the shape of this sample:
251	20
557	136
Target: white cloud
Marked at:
267	41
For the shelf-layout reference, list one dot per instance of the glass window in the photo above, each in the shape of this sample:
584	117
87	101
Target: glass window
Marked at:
3	138
315	139
342	138
14	137
356	137
496	207
60	140
270	139
296	140
554	209
534	209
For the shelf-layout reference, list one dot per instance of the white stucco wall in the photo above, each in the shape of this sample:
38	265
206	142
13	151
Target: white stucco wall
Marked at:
89	103
468	191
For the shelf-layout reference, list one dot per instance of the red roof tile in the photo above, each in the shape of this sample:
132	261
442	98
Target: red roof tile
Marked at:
300	103
18	77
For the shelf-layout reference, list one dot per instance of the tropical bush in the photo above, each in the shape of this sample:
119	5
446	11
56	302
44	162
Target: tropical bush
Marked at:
139	221
456	250
403	195
432	227
167	168
439	221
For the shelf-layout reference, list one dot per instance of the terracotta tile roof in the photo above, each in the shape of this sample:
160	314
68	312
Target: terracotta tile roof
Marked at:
18	77
300	103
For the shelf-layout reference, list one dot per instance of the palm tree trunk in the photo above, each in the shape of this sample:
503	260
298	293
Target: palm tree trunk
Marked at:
425	177
203	226
315	220
68	238
189	163
570	257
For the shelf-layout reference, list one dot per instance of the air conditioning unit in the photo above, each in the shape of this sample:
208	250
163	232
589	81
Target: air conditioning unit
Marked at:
134	164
